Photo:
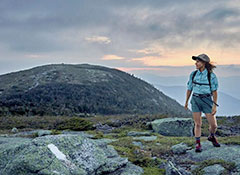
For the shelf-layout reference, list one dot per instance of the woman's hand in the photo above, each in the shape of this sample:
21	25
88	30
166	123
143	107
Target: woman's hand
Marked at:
214	109
186	106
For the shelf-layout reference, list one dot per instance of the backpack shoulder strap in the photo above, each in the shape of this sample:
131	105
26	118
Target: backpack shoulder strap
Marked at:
194	73
209	79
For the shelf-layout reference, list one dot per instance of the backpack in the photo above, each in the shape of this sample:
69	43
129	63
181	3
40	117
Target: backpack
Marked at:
209	79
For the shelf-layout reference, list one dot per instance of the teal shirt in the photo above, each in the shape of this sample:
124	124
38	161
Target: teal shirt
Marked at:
201	77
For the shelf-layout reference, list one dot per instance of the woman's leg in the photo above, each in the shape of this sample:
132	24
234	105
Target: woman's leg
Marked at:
198	123
212	129
212	122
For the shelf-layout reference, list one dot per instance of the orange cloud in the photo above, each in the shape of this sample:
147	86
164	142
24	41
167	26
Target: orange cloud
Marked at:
112	57
180	57
128	69
159	54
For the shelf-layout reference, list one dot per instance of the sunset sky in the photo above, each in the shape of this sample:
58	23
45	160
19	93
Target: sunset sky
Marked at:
131	35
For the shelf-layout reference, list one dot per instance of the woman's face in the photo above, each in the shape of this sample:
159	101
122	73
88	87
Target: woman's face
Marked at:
199	64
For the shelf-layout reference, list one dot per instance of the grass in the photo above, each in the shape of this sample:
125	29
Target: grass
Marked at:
43	122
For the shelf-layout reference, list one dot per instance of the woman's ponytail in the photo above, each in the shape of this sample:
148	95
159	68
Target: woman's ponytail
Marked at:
210	66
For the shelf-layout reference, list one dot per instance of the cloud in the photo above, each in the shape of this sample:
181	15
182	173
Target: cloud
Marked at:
143	32
112	57
98	39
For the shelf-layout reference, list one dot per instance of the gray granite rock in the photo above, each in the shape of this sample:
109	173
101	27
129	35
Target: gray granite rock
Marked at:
145	138
138	144
171	169
137	133
229	153
180	148
44	132
62	154
173	126
14	130
213	170
38	132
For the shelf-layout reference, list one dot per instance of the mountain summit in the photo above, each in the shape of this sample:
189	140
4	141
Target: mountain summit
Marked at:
72	89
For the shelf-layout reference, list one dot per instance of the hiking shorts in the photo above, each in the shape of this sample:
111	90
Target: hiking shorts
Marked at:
203	104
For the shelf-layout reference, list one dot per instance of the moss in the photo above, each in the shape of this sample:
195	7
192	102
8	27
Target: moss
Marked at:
235	140
137	121
55	132
137	156
76	124
229	166
153	171
162	145
99	135
34	135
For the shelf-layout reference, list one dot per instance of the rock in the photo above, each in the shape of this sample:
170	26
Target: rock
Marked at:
229	153
44	132
106	140
213	170
145	138
136	133
171	169
62	154
183	171
138	144
180	148
224	131
193	167
82	133
105	128
14	130
173	126
38	132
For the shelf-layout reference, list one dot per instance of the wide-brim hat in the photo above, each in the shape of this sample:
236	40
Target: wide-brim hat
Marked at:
202	57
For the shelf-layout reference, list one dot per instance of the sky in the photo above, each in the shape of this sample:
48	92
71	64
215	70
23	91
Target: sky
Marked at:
156	36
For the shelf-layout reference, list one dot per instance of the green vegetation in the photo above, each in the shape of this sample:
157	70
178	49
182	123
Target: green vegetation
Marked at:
229	166
140	157
44	122
75	124
81	90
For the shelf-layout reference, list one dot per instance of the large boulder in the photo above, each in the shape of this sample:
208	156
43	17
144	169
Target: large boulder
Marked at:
173	126
228	153
62	154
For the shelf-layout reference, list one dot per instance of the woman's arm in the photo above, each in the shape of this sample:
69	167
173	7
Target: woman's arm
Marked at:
188	94
214	108
189	89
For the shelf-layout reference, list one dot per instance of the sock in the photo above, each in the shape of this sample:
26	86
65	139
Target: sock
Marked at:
197	139
212	134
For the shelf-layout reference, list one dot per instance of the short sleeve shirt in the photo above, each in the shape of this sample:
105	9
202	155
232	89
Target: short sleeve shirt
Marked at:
201	77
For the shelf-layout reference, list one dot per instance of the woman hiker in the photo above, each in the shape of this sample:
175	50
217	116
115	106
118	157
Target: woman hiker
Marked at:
201	100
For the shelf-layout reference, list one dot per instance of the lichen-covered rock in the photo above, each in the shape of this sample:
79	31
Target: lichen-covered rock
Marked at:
180	148
137	133
37	132
145	138
173	126
14	130
62	154
44	132
228	153
213	169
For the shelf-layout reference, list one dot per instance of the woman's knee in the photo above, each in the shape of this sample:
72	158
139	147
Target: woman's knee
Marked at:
198	124
214	126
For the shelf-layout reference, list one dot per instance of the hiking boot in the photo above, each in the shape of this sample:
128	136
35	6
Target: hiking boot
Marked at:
214	141
198	147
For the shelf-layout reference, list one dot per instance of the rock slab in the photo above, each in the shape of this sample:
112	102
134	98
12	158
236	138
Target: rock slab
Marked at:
173	126
62	154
